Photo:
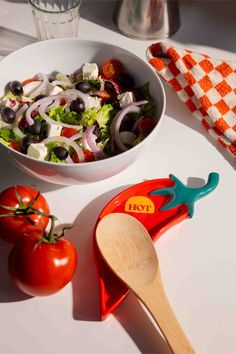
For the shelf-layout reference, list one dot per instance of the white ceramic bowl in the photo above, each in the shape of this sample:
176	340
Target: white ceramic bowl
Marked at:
67	55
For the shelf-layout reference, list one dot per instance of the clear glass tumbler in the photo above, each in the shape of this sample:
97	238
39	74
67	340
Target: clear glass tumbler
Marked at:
56	18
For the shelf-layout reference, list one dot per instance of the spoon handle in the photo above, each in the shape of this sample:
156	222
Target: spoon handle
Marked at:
154	298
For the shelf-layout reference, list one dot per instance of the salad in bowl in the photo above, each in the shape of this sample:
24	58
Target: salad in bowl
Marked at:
92	114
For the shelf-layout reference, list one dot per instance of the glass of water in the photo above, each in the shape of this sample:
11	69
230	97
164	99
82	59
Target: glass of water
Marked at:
56	18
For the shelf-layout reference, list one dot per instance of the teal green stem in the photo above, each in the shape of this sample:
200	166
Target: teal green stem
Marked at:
182	194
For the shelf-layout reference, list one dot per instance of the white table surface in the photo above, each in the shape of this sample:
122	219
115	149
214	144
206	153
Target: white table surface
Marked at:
197	258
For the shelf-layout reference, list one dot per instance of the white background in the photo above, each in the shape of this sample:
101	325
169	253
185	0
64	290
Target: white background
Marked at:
197	257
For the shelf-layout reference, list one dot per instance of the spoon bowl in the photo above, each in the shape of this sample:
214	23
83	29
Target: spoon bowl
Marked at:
127	248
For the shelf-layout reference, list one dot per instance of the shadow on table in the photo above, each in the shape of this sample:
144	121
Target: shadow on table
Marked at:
208	23
136	322
100	12
205	16
10	176
86	306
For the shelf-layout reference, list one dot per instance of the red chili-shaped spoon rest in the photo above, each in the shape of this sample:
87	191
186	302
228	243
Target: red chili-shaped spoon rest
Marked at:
158	204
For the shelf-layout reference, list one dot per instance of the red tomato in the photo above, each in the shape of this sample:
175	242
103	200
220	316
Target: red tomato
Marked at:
62	102
104	95
146	125
28	81
88	156
68	132
14	227
15	145
112	69
39	268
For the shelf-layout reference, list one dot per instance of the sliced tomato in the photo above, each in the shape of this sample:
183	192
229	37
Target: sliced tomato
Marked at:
62	102
15	145
146	125
28	81
88	156
104	95
112	69
68	132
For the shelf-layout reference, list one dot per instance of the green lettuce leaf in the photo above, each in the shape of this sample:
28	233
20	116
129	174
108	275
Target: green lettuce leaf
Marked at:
149	109
59	115
88	117
52	145
54	158
11	96
104	115
8	135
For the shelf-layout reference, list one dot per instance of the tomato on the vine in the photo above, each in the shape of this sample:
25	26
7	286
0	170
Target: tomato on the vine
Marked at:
21	210
41	268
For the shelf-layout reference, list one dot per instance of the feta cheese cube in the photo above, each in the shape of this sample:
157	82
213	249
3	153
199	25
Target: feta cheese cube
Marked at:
93	102
90	71
54	130
52	90
38	151
125	98
4	124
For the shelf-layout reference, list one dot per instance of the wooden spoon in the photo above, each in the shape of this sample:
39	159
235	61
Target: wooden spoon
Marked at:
128	250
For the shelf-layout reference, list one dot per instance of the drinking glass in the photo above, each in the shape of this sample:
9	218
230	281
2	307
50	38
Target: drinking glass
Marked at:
56	18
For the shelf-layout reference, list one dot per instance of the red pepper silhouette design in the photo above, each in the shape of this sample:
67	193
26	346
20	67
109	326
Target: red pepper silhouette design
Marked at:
158	204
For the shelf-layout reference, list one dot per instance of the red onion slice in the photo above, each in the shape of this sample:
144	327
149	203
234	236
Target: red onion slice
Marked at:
115	126
67	142
44	103
35	106
62	83
115	85
42	86
91	141
43	114
19	115
73	93
77	136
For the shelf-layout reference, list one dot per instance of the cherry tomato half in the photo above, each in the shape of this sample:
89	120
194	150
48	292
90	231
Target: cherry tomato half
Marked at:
88	156
14	227
68	132
39	268
15	145
112	69
146	125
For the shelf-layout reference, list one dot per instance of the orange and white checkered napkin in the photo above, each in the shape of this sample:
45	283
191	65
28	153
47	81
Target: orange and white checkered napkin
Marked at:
207	86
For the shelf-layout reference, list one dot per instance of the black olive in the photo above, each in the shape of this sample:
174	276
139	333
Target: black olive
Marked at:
39	97
60	152
35	128
16	88
127	123
8	115
126	81
77	105
114	101
25	143
83	86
